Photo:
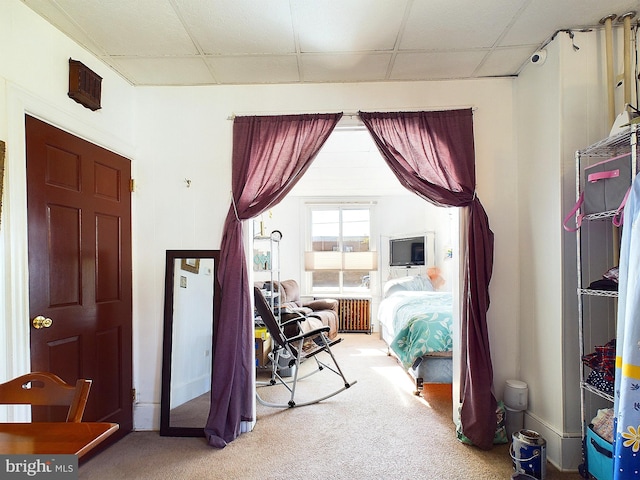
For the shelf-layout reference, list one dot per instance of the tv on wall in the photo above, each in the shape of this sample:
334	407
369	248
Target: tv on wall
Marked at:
406	251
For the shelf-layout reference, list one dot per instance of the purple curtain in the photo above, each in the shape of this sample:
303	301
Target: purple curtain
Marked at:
270	155
432	154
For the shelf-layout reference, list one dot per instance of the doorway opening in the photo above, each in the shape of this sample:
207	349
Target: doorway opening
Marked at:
350	171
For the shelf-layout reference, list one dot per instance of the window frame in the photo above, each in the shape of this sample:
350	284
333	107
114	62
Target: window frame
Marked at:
341	206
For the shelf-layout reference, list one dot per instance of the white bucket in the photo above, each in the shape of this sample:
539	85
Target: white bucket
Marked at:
516	395
529	454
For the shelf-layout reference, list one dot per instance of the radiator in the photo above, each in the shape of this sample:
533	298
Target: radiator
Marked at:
354	315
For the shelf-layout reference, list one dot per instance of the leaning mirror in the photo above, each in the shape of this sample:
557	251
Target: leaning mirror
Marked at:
191	300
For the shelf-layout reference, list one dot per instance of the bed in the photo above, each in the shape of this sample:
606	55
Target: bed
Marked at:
416	324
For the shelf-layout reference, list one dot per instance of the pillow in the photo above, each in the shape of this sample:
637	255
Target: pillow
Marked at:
403	284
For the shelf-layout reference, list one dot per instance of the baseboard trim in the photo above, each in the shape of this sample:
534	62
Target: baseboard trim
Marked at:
146	417
564	451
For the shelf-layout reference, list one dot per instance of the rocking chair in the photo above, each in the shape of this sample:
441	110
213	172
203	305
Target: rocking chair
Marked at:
289	352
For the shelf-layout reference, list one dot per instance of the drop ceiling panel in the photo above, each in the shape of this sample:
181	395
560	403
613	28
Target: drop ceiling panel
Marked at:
241	26
344	67
164	71
51	13
503	62
330	40
447	25
348	25
123	27
255	69
537	25
436	65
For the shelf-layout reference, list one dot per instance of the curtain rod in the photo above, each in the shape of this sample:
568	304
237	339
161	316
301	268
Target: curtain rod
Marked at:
355	114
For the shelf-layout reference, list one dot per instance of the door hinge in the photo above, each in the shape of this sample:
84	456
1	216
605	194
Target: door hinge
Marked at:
132	185
133	395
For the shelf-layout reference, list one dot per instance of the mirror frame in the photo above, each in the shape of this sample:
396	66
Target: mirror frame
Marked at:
167	344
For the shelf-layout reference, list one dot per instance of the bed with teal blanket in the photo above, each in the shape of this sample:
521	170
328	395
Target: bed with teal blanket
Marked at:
417	326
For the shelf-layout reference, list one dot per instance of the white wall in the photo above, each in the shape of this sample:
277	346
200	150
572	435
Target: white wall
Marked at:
561	107
34	79
187	132
173	134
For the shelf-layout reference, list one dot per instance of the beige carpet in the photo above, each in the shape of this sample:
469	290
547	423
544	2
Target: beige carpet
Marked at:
376	429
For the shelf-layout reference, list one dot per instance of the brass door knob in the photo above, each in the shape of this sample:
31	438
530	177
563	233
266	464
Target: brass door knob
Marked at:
41	322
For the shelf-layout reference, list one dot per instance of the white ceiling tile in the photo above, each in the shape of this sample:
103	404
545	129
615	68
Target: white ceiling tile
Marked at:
240	26
348	25
255	69
331	40
504	61
542	18
435	65
447	25
56	17
124	27
344	67
164	71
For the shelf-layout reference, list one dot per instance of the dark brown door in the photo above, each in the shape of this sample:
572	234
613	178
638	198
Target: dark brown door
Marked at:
79	216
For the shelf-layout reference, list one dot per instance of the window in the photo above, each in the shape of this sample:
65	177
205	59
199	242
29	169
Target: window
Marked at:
339	257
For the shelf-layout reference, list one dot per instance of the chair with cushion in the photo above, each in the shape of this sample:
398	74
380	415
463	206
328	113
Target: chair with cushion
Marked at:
321	311
47	389
289	352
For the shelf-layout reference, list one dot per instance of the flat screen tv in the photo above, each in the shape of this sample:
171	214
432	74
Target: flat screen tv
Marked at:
406	251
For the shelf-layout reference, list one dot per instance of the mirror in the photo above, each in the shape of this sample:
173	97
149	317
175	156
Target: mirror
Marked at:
191	302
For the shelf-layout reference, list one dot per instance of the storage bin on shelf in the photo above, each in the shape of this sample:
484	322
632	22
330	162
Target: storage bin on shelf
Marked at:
599	456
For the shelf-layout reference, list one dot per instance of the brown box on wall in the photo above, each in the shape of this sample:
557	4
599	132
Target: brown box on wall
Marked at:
85	86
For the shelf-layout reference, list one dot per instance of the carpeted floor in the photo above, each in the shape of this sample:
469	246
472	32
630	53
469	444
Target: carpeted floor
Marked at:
376	429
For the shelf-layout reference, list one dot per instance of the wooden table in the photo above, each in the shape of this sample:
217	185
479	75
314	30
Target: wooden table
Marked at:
53	438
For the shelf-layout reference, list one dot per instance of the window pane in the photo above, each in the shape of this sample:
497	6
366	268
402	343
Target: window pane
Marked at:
339	228
326	280
325	230
355	278
355	230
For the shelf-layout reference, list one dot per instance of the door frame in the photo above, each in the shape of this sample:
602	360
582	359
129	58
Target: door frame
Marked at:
15	351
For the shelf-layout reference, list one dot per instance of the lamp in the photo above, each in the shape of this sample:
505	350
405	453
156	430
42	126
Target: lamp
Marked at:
340	261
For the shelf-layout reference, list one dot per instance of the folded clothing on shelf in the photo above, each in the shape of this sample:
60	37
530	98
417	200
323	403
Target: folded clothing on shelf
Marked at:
612	274
602	424
609	281
596	379
603	360
604	284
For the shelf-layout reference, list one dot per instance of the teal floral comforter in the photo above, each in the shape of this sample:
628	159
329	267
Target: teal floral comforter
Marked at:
421	322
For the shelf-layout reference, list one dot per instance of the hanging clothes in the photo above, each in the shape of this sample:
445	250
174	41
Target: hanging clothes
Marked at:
626	458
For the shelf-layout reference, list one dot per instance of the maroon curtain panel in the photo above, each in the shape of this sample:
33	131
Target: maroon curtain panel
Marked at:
432	154
270	154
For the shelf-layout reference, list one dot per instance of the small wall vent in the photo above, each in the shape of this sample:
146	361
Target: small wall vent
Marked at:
85	86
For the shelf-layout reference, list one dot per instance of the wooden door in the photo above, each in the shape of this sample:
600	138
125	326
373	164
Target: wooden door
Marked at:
79	226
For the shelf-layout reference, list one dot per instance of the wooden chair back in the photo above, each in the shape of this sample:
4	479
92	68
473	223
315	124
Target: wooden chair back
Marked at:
47	389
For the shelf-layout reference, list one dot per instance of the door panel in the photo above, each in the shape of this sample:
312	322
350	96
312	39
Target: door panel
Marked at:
64	273
108	275
79	221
